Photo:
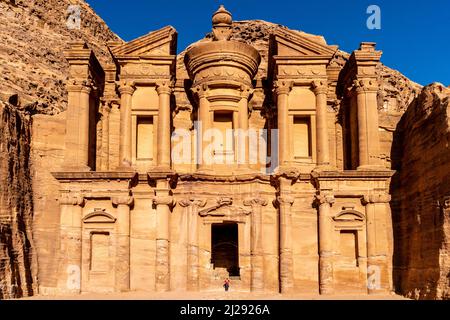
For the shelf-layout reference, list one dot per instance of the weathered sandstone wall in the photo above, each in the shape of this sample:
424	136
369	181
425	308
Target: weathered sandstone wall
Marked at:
421	197
17	255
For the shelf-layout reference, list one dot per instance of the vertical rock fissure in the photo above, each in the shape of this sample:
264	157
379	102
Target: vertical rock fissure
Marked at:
16	205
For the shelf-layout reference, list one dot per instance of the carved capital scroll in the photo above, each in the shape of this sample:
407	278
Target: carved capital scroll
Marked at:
126	88
164	200
285	200
73	200
122	200
319	87
365	85
376	198
282	86
320	199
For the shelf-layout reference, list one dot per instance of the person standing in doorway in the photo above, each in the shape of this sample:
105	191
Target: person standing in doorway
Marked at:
226	284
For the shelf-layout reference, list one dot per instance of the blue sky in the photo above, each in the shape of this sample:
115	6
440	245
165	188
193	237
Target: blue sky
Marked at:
414	35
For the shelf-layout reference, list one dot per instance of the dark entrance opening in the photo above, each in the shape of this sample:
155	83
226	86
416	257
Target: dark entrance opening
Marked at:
225	247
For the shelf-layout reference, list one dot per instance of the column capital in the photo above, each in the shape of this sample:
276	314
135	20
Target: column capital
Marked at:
163	200
246	91
285	199
446	202
106	106
201	91
192	202
376	198
365	85
319	87
282	86
127	87
255	201
320	199
76	85
164	87
74	200
122	200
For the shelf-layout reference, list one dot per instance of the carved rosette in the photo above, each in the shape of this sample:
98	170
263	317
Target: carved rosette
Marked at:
376	198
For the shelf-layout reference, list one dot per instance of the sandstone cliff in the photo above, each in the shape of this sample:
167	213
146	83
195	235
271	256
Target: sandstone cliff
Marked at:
17	259
421	197
33	35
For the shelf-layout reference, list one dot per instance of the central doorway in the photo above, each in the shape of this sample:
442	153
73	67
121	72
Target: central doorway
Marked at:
225	247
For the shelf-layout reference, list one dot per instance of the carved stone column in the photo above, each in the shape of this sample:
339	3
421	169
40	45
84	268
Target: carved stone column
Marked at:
379	252
106	109
286	260
164	90
282	89
326	252
243	145
204	158
163	203
76	155
256	251
70	236
126	90
369	150
323	148
122	276
193	258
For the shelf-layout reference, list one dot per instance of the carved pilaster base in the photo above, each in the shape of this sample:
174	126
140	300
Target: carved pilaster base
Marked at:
371	167
162	265
257	273
326	274
193	265
286	272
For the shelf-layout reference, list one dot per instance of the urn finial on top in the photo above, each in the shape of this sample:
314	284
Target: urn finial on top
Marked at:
222	22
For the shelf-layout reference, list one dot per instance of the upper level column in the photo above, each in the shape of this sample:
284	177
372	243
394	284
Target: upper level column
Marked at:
282	89
86	80
243	138
323	150
369	149
204	155
126	90
164	89
77	126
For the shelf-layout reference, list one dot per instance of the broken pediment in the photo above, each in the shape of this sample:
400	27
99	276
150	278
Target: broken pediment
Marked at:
99	216
157	43
293	44
224	208
349	215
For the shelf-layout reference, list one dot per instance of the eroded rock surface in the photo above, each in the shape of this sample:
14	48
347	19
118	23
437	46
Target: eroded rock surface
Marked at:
421	197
